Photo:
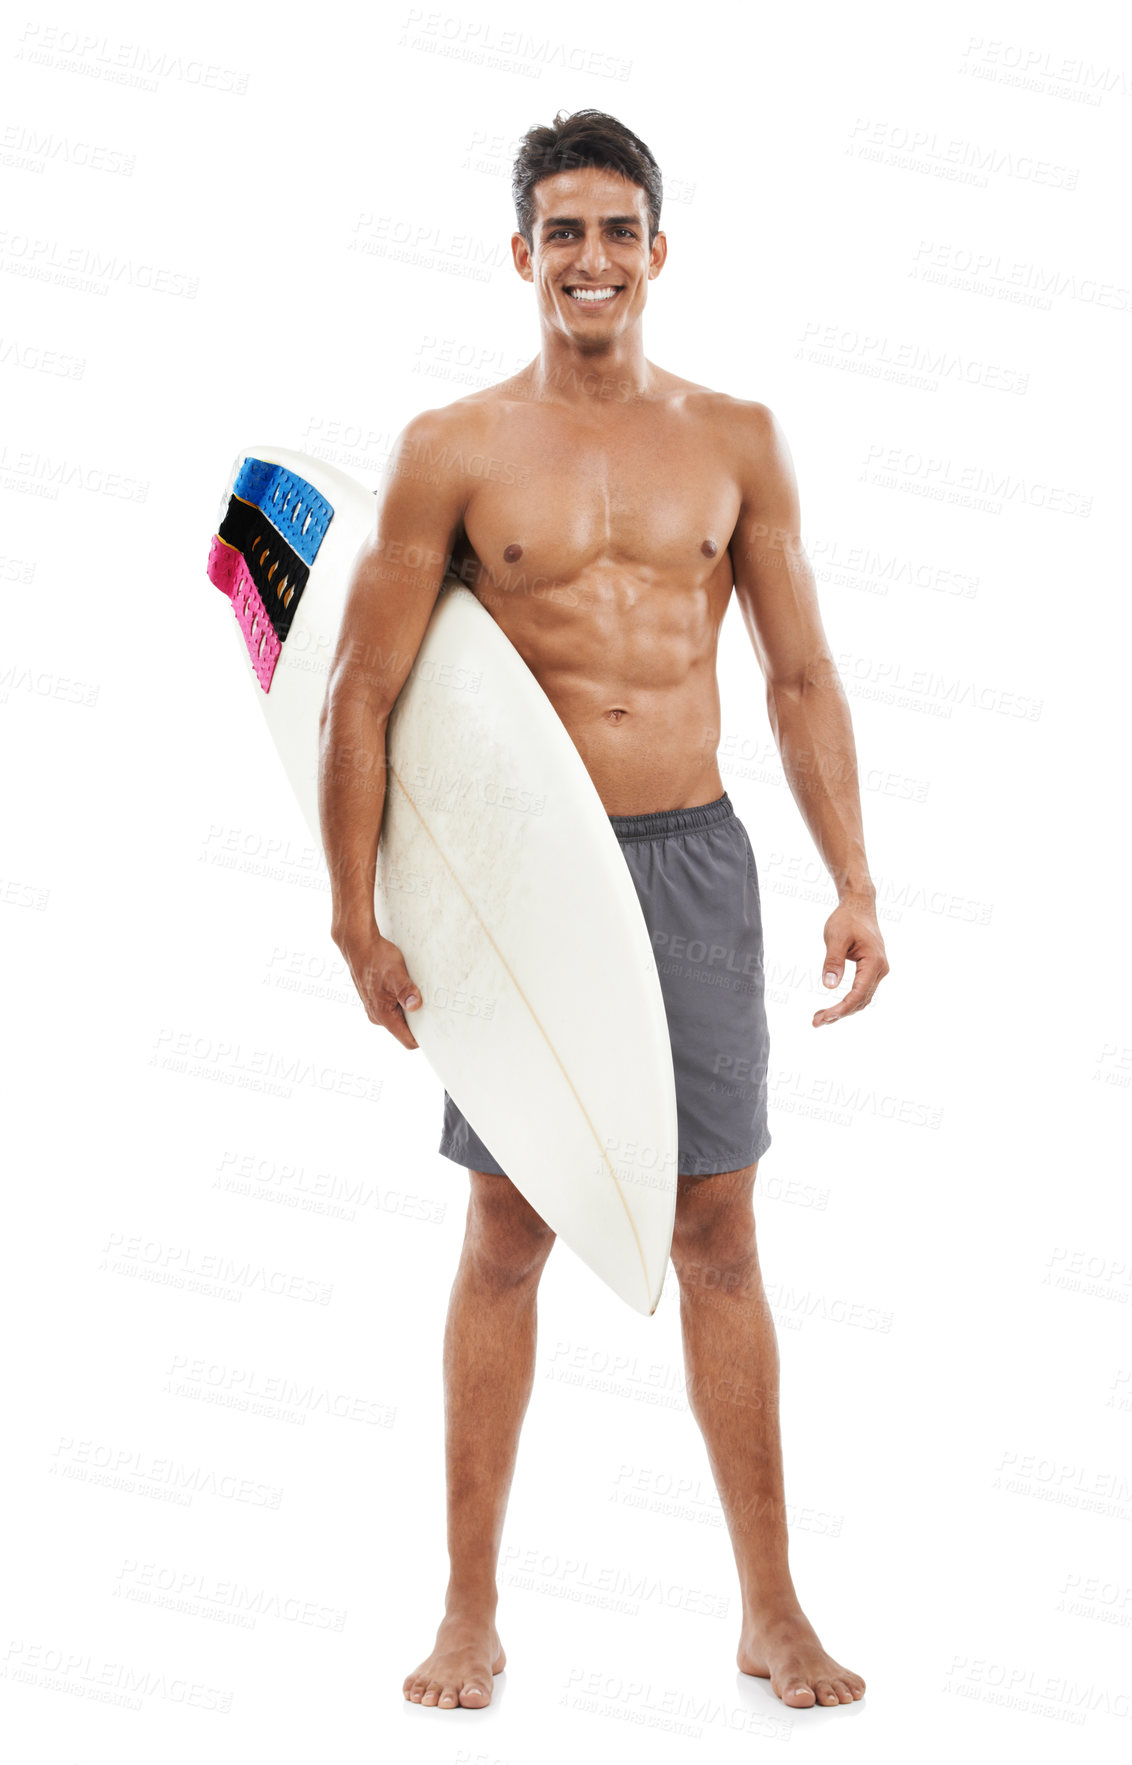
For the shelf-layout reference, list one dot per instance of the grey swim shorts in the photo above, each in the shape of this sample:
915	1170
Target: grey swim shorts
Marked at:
695	875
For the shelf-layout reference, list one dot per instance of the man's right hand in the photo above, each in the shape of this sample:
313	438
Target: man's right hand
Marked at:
378	970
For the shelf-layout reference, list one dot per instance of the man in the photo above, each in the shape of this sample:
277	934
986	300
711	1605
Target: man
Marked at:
603	510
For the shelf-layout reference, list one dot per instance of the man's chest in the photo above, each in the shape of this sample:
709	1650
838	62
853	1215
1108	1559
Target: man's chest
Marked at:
548	503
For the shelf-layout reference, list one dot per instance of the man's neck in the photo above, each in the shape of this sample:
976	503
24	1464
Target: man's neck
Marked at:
610	376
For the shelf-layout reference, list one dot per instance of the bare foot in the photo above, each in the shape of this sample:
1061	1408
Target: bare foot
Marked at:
785	1649
460	1668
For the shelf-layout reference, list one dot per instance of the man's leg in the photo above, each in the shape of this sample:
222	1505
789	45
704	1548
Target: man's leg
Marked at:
731	1363
489	1361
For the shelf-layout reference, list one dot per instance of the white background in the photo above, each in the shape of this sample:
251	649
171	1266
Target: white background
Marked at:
224	1497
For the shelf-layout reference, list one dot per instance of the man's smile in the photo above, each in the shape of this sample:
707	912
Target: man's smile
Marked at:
598	295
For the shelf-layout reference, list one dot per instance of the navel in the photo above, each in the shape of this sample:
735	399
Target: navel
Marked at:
709	548
513	553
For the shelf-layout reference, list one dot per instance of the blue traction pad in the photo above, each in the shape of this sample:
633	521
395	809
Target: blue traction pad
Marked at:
299	512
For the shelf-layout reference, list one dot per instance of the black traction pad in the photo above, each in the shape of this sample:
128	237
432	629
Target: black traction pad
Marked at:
276	568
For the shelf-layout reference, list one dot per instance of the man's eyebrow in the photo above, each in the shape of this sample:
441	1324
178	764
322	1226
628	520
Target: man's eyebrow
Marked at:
608	220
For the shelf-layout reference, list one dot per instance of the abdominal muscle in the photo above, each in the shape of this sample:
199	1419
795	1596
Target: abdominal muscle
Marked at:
641	752
638	694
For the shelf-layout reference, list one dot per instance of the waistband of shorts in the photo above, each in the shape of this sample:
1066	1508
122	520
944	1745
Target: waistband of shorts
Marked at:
656	823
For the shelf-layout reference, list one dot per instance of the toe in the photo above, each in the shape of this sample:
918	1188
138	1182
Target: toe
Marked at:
844	1695
825	1692
801	1696
432	1692
473	1696
447	1697
414	1688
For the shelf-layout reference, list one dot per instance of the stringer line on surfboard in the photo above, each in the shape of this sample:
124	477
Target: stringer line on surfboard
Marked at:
534	1015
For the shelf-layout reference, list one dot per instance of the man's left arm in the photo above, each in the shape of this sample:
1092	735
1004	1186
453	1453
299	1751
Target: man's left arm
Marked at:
808	710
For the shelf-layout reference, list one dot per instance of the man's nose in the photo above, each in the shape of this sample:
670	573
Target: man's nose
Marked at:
593	258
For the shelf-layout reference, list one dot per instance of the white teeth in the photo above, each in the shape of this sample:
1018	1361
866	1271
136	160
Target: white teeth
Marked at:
584	294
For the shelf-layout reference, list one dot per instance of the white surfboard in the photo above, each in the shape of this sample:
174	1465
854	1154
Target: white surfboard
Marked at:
499	876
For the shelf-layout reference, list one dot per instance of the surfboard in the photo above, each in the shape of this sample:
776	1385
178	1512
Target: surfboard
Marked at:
499	876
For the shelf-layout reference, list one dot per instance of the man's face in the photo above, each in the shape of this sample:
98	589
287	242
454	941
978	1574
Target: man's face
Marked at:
591	263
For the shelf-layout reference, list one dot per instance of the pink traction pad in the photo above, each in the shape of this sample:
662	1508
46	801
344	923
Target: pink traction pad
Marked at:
226	567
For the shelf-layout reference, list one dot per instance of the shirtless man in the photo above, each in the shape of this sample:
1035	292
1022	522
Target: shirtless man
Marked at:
603	510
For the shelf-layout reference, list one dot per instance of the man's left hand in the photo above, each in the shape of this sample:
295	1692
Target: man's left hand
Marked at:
852	935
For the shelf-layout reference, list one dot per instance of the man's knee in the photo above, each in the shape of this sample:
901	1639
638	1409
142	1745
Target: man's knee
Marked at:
713	1237
508	1238
716	1265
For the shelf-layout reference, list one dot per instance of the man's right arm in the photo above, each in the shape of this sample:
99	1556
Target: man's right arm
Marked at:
395	581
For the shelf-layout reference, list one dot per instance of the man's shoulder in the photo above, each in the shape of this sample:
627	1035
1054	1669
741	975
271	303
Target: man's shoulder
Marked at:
724	407
448	420
442	439
721	410
469	421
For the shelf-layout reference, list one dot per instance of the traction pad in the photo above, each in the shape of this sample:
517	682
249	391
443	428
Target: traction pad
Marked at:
261	557
277	570
228	570
295	507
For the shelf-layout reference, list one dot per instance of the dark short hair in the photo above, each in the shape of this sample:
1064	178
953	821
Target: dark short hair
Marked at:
588	137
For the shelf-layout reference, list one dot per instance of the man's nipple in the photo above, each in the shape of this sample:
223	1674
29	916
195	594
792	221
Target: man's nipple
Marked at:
709	548
513	553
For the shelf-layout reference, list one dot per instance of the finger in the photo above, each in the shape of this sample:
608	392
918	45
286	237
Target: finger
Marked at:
832	972
855	1000
392	1018
836	956
383	1008
408	999
396	986
389	994
865	984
